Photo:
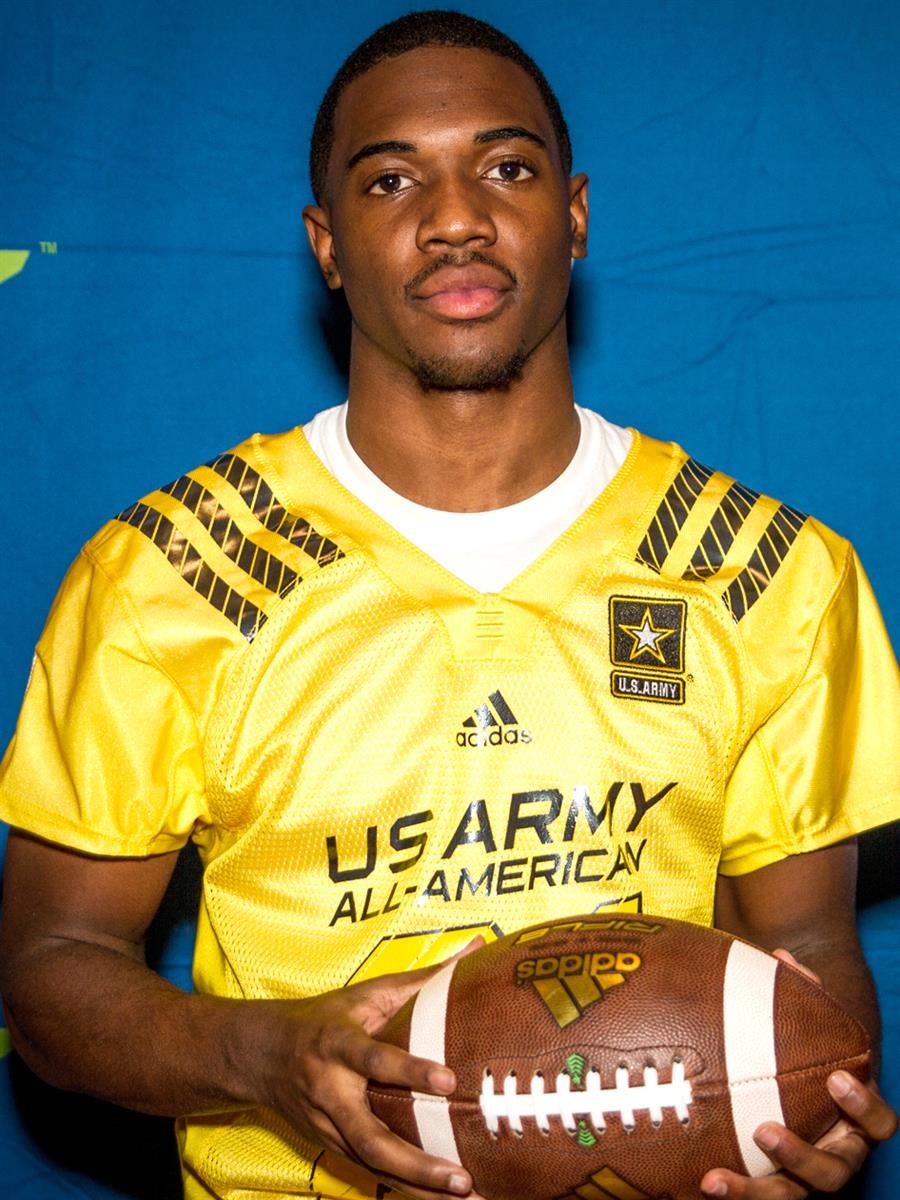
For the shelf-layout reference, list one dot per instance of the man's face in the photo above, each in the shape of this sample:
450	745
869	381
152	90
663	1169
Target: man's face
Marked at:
448	219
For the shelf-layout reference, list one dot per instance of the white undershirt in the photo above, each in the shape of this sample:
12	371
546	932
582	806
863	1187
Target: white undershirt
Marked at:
489	549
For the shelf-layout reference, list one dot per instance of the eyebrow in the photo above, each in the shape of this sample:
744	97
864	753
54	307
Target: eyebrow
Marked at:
507	133
392	147
504	133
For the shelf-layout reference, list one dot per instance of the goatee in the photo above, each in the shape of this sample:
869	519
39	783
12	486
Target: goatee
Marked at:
446	374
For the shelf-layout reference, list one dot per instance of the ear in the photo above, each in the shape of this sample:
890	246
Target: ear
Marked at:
321	239
578	214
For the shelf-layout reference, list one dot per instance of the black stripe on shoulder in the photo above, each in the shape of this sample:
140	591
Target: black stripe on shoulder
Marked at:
189	563
672	513
259	564
719	536
772	549
265	568
270	511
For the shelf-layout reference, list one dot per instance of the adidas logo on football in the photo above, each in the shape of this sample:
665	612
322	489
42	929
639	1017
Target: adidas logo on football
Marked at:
569	984
605	1184
492	724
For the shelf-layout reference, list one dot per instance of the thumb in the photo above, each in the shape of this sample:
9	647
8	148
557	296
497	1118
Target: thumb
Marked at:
785	956
388	993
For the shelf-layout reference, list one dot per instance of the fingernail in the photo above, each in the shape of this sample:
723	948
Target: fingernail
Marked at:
442	1080
460	1185
719	1188
767	1137
840	1085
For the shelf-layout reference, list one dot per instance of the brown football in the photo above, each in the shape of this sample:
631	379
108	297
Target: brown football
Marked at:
617	1057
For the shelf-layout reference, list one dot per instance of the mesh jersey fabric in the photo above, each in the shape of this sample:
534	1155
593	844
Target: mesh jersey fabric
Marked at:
377	762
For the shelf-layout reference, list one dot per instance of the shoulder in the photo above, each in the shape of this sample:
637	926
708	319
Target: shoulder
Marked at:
774	569
703	525
216	547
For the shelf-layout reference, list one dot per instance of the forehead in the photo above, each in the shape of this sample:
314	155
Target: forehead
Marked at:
437	91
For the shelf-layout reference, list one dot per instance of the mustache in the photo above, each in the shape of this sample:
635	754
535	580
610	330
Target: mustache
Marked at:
457	260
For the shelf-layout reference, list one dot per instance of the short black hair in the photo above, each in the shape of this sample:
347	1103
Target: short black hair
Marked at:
433	27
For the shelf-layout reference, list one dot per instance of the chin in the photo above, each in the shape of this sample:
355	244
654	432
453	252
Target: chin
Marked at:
448	374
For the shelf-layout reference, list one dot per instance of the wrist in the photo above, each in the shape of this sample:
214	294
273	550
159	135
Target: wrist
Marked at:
255	1040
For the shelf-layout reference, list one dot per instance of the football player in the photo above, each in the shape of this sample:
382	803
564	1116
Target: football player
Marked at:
458	656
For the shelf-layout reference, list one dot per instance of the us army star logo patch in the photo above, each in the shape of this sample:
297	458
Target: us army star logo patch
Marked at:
646	649
647	633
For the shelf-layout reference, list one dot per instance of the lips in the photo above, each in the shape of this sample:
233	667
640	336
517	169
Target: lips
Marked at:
463	293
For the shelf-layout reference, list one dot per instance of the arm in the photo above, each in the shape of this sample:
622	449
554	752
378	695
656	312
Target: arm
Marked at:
86	1013
806	905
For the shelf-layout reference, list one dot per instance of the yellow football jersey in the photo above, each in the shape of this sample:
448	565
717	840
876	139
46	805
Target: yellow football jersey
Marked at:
377	762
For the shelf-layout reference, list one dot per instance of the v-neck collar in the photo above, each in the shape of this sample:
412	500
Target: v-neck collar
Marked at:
481	624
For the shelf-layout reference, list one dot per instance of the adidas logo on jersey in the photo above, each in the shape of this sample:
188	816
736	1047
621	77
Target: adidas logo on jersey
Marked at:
492	724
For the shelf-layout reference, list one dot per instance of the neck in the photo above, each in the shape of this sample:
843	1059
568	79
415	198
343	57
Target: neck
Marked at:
464	451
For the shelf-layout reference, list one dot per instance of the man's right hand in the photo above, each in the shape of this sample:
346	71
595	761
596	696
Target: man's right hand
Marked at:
325	1052
87	1014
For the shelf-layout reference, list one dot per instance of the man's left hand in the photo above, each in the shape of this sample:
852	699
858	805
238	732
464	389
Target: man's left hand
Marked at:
807	902
825	1167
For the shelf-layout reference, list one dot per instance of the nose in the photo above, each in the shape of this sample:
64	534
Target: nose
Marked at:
455	213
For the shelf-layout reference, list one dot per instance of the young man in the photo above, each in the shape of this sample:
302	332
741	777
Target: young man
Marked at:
457	657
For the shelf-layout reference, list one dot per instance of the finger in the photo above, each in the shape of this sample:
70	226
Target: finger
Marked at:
824	1169
387	1155
785	956
318	1126
864	1105
407	1189
412	980
420	1193
326	1133
341	1119
387	1063
476	944
376	1000
739	1187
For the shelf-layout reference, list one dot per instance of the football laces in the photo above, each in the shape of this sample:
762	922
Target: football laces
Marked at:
593	1102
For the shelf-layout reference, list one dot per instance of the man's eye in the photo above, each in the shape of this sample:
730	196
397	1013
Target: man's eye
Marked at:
509	171
390	184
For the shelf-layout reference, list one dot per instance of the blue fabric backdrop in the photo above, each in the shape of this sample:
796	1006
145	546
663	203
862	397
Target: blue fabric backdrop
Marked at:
157	303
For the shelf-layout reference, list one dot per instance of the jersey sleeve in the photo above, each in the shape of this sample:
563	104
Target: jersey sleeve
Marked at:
106	756
824	765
